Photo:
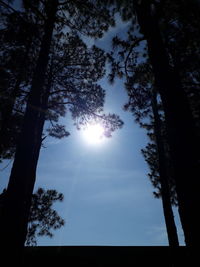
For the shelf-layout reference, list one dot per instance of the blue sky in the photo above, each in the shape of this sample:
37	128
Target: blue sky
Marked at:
108	197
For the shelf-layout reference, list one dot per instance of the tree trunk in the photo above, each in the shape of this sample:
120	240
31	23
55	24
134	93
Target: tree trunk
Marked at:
10	102
22	179
181	131
164	179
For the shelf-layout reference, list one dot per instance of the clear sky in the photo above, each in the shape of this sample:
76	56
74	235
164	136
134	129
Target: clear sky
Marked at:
108	197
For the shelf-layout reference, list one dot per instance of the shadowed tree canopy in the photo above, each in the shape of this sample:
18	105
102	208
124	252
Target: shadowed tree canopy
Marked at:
71	73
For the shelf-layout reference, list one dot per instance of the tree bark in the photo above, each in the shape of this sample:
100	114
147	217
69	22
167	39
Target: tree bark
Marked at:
164	179
23	174
181	131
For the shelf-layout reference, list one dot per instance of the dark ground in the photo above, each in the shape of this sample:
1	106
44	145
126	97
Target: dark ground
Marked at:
105	256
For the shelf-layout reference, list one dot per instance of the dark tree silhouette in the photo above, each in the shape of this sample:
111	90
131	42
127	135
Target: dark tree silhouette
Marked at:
165	175
182	136
17	53
181	34
56	17
182	139
43	218
143	105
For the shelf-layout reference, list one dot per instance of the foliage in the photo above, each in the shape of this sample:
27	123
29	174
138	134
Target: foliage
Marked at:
75	69
86	17
17	53
150	153
43	218
72	73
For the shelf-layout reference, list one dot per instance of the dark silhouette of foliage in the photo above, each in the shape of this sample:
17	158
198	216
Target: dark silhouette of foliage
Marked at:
150	154
42	218
17	53
72	66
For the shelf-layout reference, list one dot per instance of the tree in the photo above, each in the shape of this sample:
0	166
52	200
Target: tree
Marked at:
17	37
42	216
181	130
166	178
181	35
58	15
143	105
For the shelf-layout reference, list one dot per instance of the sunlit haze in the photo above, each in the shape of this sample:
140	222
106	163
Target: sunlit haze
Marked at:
93	134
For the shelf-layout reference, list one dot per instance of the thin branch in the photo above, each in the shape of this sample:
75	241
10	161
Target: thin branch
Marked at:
2	169
12	9
43	138
18	111
8	6
91	112
59	91
63	3
130	51
59	103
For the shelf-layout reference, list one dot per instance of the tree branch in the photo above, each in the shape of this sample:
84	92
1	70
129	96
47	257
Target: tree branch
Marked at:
63	3
130	51
60	103
8	6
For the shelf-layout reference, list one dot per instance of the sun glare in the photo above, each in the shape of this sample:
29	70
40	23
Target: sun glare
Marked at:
94	134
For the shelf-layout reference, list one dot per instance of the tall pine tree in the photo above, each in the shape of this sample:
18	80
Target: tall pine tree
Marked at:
182	135
57	16
142	103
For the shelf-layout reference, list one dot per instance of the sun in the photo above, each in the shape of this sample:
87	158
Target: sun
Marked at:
93	134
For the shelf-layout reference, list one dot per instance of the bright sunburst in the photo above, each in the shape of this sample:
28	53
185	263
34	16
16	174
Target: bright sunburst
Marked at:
93	134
